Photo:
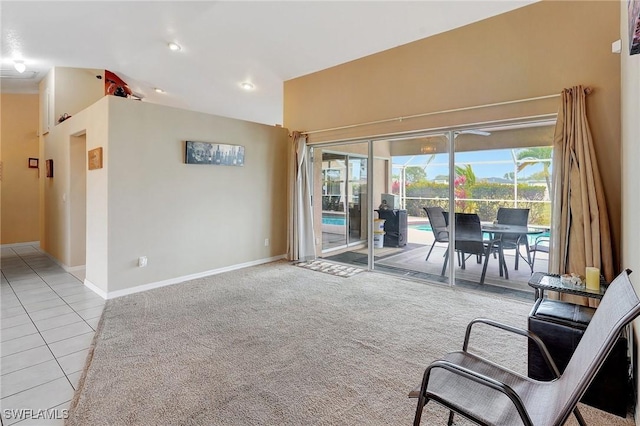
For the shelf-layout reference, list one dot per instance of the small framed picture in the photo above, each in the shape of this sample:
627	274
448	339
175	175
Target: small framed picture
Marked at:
33	163
49	164
95	158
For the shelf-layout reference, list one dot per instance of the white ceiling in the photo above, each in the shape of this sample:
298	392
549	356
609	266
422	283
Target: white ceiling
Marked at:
223	43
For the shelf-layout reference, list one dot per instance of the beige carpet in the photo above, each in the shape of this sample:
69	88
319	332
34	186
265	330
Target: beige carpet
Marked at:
282	345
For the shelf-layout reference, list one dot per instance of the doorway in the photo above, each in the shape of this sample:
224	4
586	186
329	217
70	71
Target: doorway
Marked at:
467	170
78	200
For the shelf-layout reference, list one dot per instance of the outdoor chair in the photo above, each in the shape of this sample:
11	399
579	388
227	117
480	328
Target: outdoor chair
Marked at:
439	227
469	241
512	216
541	244
489	394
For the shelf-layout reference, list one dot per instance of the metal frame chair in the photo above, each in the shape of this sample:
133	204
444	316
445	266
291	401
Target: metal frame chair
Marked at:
438	227
469	241
514	216
541	244
489	394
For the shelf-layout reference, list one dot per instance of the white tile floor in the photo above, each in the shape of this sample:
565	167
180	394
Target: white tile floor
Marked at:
48	321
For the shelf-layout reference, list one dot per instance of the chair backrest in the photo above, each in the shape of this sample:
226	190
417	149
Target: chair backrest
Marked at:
438	223
619	306
512	216
469	233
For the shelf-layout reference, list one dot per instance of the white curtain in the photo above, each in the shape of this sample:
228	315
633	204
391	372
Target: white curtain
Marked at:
301	239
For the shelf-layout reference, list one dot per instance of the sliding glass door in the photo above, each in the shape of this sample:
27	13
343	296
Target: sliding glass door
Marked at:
376	195
343	191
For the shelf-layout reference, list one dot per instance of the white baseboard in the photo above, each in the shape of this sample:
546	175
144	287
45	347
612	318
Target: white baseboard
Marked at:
177	280
91	286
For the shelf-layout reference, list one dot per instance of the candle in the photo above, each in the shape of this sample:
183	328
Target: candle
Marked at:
593	278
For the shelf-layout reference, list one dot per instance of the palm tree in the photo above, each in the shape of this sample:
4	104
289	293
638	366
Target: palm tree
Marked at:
467	172
537	155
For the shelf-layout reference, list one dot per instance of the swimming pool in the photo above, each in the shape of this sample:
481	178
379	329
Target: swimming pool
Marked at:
328	220
421	227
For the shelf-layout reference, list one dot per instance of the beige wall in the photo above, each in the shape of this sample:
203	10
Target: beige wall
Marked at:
68	91
530	52
187	219
19	184
630	172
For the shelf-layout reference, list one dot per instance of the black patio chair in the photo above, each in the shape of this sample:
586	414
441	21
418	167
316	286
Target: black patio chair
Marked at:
469	241
490	394
513	216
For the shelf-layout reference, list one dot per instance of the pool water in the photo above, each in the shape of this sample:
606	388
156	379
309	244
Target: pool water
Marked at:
421	227
334	221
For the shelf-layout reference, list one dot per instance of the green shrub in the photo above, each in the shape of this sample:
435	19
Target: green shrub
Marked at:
423	194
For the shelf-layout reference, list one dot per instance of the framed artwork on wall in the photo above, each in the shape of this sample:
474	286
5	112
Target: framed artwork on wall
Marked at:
33	163
213	153
95	158
633	7
49	166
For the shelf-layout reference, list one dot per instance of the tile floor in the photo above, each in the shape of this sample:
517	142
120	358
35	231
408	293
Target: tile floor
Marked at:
48	319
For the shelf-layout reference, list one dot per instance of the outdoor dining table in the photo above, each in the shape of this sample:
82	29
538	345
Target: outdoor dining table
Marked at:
499	230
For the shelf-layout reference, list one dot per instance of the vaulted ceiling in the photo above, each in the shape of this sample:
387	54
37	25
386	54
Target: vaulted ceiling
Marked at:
223	43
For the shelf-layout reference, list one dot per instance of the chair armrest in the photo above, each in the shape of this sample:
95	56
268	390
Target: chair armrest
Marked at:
481	379
531	336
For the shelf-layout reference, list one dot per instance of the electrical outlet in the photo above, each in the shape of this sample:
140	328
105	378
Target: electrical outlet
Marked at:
142	261
266	242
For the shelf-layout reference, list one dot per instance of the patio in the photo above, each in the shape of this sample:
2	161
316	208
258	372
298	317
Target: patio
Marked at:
410	261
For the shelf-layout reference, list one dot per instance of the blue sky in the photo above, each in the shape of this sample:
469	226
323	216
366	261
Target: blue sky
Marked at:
502	158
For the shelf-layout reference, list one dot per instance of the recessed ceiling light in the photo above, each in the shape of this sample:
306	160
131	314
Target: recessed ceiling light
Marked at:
247	86
158	90
19	66
174	46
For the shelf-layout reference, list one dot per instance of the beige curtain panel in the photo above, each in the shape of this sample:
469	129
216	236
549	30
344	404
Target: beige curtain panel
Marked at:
301	240
581	233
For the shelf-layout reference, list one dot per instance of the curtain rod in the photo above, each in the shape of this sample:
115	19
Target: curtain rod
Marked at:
388	120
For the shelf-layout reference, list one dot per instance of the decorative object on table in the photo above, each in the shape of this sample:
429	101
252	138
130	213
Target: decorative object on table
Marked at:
95	158
63	117
213	153
593	278
572	279
49	167
33	163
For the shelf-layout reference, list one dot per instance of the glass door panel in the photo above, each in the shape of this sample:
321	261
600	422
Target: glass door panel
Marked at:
503	169
357	198
411	178
334	197
342	187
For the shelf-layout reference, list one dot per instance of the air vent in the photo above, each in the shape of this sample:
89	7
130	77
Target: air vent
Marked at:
13	74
